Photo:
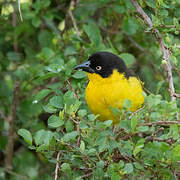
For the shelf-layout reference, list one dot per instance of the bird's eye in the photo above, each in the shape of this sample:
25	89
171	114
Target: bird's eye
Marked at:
98	68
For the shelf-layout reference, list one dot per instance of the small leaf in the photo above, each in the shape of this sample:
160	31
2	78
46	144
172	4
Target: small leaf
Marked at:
79	75
55	121
47	52
108	123
142	128
65	167
128	169
70	136
129	59
82	112
129	26
151	3
115	111
41	94
127	103
93	33
36	22
82	146
56	101
26	135
134	121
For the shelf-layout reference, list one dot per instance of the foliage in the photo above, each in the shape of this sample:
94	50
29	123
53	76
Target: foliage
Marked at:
52	115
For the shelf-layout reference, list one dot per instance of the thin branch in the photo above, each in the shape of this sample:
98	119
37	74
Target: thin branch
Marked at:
19	9
72	3
162	123
57	165
165	52
177	95
134	113
87	175
11	133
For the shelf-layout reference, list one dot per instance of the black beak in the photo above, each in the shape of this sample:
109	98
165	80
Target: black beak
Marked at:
85	67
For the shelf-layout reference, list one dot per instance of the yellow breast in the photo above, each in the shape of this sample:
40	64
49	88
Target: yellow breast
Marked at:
103	93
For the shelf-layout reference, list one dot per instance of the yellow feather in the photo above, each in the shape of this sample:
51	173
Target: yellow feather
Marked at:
103	93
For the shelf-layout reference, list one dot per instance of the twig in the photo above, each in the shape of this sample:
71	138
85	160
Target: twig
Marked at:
176	95
163	123
57	165
11	134
164	50
87	175
134	113
19	9
72	3
15	174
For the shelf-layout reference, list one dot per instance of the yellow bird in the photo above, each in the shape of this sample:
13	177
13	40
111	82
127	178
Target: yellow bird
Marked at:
110	84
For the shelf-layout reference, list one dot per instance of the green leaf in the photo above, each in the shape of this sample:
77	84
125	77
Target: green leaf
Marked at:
93	33
127	103
26	135
43	137
174	131
41	94
151	3
142	128
65	167
138	147
129	26
49	108
70	136
176	153
54	68
82	125
129	59
70	50
56	101
134	121
128	169
82	146
163	13
79	75
55	121
137	165
82	112
108	123
119	9
13	56
69	125
115	111
47	53
36	22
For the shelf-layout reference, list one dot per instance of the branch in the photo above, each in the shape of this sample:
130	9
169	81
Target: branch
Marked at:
87	175
164	50
176	95
11	134
57	166
19	9
162	123
72	3
134	113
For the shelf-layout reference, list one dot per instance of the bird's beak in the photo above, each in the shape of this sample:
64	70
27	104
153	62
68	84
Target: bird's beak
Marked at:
85	67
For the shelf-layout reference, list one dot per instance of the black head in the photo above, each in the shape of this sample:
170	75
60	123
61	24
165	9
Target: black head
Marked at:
103	63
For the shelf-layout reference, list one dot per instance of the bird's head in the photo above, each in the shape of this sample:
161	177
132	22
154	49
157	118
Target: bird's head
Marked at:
103	63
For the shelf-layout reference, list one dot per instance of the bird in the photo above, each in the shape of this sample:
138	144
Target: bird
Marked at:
110	84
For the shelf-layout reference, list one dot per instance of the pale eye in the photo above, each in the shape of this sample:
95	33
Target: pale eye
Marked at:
98	68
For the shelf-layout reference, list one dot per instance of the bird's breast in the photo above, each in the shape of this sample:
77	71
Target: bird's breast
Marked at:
103	93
